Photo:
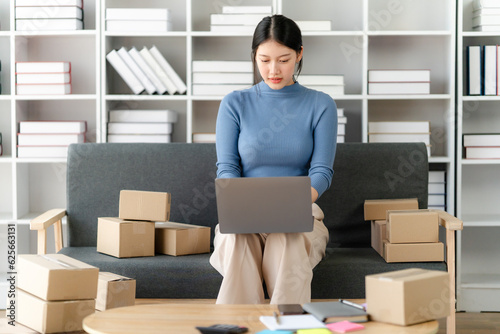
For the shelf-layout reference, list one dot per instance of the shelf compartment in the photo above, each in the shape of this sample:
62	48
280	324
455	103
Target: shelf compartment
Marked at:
385	15
5	127
57	48
6	191
5	59
480	192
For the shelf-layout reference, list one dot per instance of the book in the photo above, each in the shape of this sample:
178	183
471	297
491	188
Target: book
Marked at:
181	86
222	78
43	67
474	71
323	79
138	14
138	26
46	139
328	89
236	19
221	66
139	138
42	151
291	322
125	72
436	200
203	137
399	75
138	72
43	89
33	3
399	127
478	4
140	128
490	69
148	71
485	20
217	89
155	66
340	129
486	11
481	139
43	78
49	12
247	10
399	137
482	152
145	116
48	24
437	176
340	112
341	119
314	25
436	188
397	88
37	127
491	28
233	29
335	311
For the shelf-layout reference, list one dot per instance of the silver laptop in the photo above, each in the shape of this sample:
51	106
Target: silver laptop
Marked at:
264	204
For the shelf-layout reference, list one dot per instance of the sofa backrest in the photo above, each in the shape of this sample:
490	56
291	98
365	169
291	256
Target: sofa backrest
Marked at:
97	172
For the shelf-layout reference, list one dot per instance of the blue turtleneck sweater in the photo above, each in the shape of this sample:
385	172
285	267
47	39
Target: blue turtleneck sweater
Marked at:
262	132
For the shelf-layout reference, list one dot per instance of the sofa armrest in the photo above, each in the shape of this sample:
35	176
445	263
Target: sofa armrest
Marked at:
42	222
448	221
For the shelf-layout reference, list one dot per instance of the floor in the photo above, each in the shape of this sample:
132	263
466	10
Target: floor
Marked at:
466	323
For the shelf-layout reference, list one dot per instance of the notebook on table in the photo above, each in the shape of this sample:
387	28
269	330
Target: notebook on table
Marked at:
264	204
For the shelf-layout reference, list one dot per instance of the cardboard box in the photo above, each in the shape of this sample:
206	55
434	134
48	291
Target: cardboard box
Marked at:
52	316
376	209
406	297
416	252
56	277
378	228
114	291
125	238
144	205
181	239
411	226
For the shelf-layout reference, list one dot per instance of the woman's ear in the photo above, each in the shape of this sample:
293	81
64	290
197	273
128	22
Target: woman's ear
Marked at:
299	54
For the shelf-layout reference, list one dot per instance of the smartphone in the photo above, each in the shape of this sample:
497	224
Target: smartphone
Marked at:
288	309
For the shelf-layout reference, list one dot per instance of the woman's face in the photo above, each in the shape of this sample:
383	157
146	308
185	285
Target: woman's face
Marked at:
276	63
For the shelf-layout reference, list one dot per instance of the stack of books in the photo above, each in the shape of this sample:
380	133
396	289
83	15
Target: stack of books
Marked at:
36	15
204	137
342	121
329	84
48	139
486	15
437	190
44	78
220	77
483	70
239	19
400	132
314	26
138	20
482	145
141	126
146	70
399	82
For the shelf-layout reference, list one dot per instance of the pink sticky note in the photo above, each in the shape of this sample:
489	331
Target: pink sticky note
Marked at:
344	326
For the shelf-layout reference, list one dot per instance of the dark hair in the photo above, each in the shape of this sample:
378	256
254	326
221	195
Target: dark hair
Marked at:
277	28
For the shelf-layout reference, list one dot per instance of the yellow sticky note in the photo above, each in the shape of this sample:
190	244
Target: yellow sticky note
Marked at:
314	331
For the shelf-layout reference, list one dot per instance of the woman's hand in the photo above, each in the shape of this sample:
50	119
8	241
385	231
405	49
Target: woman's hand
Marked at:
314	195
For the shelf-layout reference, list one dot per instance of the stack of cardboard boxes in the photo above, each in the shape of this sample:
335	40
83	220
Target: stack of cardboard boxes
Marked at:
55	292
401	232
143	228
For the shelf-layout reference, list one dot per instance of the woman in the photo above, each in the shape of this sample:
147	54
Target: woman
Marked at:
275	128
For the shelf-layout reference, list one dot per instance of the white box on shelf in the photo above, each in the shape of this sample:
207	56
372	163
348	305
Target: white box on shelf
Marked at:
138	14
49	12
146	116
48	24
140	128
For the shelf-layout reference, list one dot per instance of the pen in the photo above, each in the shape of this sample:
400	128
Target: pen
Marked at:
343	301
277	318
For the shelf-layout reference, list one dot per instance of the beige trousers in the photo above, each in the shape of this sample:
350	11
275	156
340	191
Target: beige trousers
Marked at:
283	260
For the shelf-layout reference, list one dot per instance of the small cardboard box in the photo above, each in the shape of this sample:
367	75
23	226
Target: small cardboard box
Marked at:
409	296
411	226
376	209
144	205
378	235
125	238
52	316
56	277
416	252
114	291
181	239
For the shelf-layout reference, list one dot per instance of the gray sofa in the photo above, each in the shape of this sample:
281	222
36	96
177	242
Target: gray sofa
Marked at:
97	172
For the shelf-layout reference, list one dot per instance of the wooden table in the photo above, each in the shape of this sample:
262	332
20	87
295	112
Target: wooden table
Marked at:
182	318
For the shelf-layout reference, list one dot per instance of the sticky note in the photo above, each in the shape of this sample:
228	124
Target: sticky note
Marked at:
314	331
344	326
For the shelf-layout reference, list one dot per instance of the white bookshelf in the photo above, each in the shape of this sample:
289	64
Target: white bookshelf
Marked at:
366	34
478	190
